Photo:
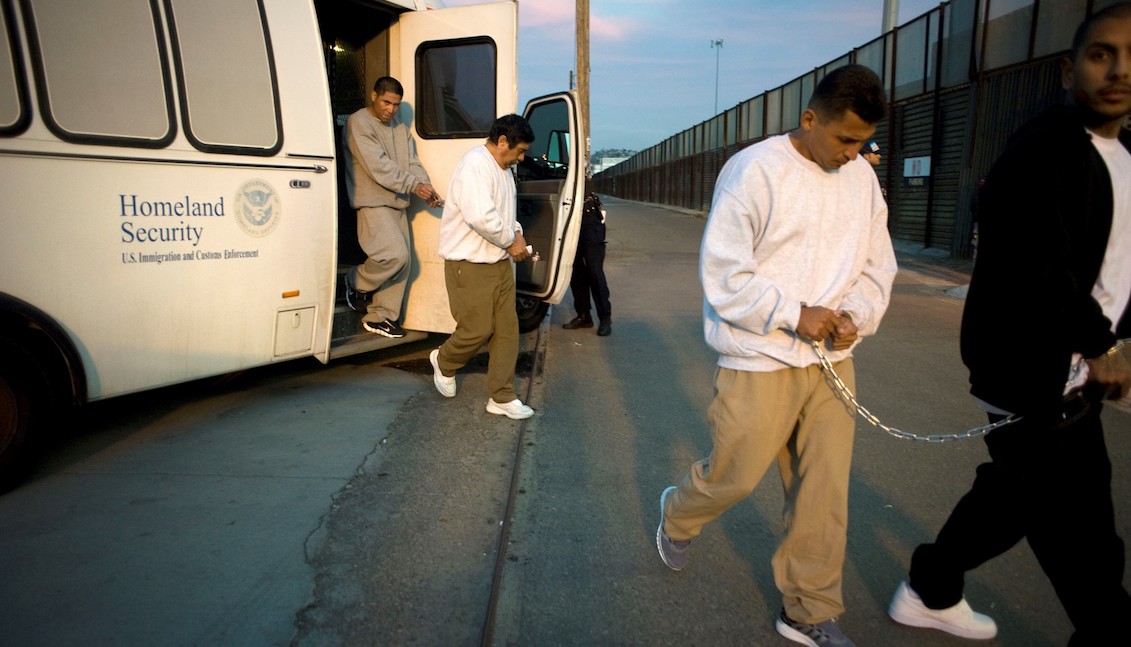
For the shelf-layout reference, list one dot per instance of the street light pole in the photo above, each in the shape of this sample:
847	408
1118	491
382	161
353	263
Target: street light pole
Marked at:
717	45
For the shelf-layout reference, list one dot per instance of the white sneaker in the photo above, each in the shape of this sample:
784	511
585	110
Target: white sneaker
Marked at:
960	620
515	409
444	384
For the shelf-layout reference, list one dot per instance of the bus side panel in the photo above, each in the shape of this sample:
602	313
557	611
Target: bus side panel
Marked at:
308	127
426	305
171	264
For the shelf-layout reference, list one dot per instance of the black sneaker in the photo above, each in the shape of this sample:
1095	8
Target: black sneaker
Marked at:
605	328
822	634
388	328
355	299
580	321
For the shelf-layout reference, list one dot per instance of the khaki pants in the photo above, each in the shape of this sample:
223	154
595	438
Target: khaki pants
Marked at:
482	301
791	416
383	235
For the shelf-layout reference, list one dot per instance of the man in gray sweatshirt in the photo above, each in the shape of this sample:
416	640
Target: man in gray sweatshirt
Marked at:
383	173
796	250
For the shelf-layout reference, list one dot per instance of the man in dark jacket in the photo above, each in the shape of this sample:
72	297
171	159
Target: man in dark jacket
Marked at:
1047	303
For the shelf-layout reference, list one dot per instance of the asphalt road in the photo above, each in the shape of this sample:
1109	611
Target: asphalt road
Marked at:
352	505
624	416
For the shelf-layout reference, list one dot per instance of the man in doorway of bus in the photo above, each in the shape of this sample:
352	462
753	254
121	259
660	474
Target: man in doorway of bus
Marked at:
589	270
796	251
385	174
1055	241
480	240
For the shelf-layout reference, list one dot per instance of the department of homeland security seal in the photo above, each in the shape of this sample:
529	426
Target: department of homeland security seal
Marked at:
258	208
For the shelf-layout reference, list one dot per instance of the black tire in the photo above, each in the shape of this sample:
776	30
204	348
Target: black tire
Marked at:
23	398
531	312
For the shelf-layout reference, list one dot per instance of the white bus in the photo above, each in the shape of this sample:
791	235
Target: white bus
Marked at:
171	200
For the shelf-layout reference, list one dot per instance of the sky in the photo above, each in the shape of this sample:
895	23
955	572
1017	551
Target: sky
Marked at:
652	67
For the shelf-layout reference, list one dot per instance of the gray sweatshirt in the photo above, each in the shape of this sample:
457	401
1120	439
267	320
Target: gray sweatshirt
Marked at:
784	232
381	161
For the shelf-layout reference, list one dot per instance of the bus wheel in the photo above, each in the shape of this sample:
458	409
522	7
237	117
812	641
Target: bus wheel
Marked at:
530	313
19	381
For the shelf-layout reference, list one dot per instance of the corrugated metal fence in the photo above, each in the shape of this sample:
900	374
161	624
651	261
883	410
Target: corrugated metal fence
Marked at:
961	78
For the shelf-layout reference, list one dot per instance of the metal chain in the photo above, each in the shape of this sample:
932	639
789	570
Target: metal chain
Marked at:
844	392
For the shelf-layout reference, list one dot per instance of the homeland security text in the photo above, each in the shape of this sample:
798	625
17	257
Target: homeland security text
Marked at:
166	231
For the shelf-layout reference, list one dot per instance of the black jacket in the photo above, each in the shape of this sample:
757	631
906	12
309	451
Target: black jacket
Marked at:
1044	216
591	210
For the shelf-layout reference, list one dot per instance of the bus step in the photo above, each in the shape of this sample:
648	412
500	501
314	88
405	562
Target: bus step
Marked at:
364	342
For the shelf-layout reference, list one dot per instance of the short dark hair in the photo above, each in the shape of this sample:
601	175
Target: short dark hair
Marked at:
852	87
1119	10
514	128
388	84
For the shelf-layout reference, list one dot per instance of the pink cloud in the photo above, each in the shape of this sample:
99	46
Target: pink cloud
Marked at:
613	30
541	14
560	15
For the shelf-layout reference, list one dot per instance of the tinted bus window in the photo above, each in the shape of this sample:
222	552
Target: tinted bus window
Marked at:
13	112
100	70
550	122
225	70
455	88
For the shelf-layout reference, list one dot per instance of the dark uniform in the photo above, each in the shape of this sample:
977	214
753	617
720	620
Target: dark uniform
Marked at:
589	271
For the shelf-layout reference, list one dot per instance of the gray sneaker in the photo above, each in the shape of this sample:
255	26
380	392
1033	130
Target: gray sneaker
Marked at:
822	634
674	553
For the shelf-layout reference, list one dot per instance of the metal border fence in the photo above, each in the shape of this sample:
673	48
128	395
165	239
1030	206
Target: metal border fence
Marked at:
960	79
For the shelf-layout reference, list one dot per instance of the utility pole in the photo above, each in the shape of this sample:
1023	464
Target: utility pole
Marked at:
583	78
717	45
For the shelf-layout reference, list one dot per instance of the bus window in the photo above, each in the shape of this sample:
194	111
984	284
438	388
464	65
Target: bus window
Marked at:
225	70
13	95
558	153
101	71
549	154
456	88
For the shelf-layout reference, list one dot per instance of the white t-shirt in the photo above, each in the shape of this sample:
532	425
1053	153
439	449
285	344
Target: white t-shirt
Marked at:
1113	286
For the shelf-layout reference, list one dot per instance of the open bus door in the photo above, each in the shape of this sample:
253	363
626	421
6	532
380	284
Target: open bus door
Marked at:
459	69
551	186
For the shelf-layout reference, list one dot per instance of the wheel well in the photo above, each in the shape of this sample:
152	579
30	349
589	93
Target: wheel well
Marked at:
531	311
44	340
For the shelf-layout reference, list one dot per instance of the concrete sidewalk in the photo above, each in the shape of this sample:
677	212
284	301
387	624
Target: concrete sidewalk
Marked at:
184	516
